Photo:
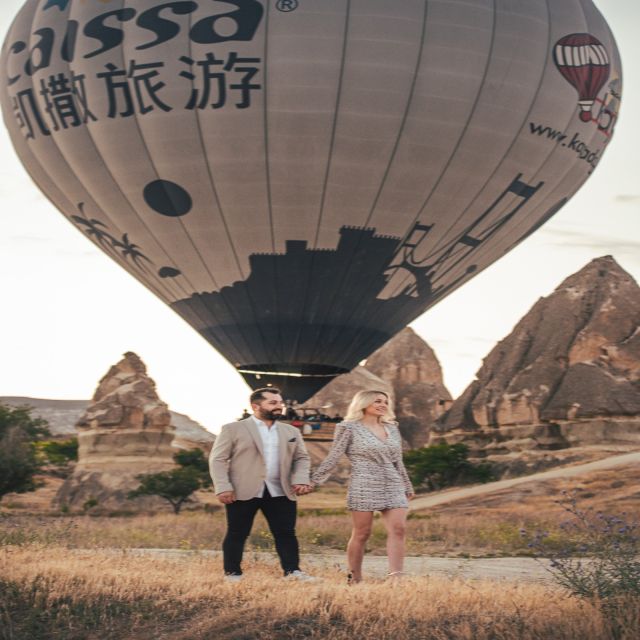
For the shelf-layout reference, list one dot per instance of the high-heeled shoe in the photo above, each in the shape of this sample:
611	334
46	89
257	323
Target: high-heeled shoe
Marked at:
396	575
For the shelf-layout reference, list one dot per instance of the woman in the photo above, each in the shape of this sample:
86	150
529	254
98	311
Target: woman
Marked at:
379	482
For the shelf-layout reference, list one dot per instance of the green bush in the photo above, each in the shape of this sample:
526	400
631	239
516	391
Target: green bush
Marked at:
444	465
59	452
19	461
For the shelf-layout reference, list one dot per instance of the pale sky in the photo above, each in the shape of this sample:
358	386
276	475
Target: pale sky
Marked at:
69	312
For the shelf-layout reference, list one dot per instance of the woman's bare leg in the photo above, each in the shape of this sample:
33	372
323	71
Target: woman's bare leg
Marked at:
360	533
395	523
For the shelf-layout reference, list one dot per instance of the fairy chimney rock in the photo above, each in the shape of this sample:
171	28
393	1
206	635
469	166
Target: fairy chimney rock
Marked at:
127	422
125	431
410	367
568	374
407	368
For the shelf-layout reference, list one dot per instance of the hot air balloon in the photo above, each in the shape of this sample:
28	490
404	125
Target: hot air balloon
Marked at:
300	180
582	59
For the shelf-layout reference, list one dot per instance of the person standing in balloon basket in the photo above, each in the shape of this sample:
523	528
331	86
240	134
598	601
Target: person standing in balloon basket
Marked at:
370	438
260	464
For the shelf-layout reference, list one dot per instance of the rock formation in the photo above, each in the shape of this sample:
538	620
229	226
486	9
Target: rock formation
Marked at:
126	431
410	367
568	375
334	399
407	368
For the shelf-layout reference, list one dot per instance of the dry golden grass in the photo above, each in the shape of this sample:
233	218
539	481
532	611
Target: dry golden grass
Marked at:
475	534
55	594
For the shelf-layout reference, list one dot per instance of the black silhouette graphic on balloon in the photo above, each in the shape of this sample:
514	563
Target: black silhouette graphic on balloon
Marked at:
168	198
169	272
123	248
309	342
357	297
61	4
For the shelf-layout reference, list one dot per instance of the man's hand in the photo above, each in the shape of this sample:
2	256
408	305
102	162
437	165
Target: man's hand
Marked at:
411	496
302	489
227	497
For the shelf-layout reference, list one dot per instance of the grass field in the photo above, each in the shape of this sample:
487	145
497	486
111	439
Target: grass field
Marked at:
318	532
70	577
53	594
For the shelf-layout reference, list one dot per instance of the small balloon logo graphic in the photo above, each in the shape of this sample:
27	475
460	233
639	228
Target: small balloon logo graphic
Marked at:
583	61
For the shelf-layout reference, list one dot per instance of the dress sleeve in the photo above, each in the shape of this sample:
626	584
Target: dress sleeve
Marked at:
399	465
341	441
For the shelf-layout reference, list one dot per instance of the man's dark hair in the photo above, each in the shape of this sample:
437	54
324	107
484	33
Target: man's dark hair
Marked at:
258	394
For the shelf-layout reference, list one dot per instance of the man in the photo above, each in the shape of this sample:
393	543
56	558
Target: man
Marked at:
260	464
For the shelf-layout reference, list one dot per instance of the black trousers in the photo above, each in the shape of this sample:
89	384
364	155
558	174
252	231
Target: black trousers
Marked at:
280	514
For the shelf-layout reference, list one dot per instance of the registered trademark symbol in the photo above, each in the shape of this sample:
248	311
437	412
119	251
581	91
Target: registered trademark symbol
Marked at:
287	5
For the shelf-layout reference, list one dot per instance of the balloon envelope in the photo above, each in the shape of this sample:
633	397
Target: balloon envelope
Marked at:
299	179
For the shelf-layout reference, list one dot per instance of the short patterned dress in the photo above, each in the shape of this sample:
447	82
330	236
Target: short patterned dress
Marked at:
378	479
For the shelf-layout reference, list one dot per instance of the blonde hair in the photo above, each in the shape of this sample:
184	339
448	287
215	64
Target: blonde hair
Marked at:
362	400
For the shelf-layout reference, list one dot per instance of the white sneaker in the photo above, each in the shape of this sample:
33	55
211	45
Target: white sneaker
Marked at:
300	575
233	577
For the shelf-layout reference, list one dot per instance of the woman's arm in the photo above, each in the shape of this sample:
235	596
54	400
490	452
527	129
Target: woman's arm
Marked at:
399	465
341	440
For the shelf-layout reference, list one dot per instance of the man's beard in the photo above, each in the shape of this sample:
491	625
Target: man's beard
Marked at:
270	415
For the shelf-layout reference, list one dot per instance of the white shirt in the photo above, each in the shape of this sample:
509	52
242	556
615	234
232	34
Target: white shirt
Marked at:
270	445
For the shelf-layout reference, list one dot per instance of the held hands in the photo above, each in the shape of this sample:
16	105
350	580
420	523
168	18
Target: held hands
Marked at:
302	489
227	497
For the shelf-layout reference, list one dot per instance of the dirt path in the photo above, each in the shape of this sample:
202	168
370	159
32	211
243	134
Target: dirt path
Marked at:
504	569
443	497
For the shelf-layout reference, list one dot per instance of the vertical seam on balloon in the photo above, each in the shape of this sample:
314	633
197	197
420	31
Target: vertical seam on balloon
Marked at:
525	119
543	163
557	149
118	261
32	158
126	199
390	320
345	39
265	111
138	126
394	151
461	136
345	36
225	225
105	214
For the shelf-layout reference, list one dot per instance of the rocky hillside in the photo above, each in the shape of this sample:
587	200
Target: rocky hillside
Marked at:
568	375
405	366
62	416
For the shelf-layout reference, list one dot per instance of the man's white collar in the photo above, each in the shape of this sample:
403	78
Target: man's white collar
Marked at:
261	422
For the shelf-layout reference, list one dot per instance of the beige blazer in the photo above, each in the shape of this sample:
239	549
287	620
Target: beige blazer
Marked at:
237	461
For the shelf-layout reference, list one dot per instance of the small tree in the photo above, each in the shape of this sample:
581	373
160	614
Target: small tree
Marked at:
18	457
444	465
58	455
175	486
194	459
20	417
